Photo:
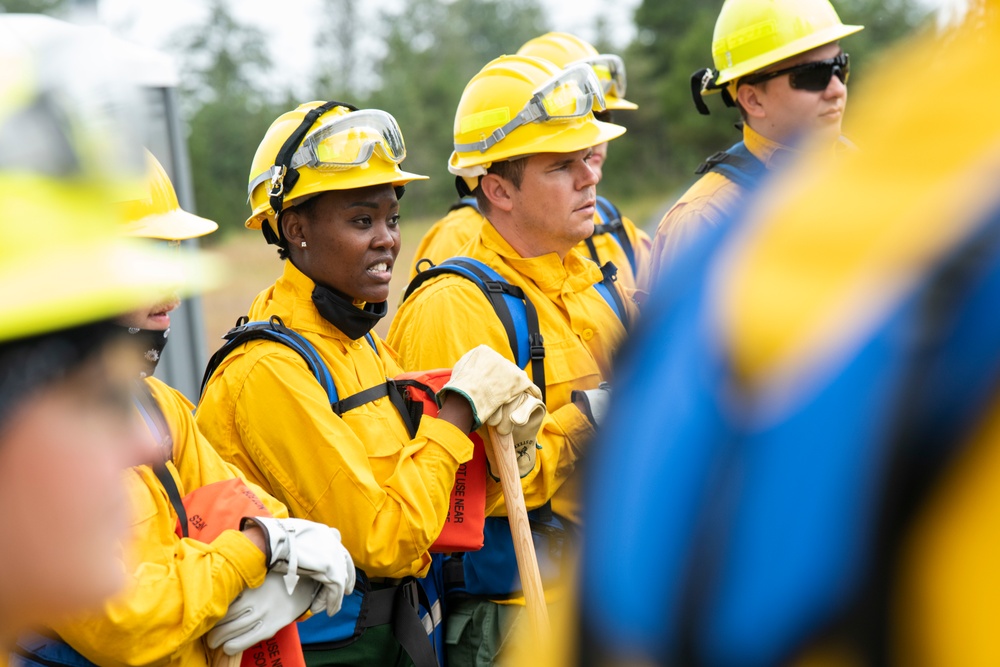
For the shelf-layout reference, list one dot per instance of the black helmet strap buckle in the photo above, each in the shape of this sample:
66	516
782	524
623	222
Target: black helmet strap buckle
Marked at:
283	176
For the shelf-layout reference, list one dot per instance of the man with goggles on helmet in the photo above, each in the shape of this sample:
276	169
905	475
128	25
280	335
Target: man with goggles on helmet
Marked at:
525	134
616	238
789	82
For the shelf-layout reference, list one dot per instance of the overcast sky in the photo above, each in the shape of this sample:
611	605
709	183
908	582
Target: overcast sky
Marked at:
151	22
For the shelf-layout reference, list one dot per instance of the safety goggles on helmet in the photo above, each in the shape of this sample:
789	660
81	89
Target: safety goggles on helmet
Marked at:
346	142
610	71
814	76
573	93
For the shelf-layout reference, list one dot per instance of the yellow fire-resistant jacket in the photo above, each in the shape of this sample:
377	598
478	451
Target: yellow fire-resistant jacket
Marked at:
705	204
361	473
449	316
447	237
178	589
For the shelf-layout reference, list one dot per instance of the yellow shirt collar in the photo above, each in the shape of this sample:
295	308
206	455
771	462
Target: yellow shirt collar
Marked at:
573	273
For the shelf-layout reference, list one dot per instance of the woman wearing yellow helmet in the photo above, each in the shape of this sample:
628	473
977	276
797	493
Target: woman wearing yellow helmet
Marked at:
324	187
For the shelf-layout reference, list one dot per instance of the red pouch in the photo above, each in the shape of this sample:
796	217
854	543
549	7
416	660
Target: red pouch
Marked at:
221	506
463	529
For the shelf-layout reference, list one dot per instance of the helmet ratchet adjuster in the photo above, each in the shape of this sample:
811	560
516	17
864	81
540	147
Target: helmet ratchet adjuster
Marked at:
703	82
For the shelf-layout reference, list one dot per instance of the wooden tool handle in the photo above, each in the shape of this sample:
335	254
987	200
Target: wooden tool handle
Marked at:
220	659
520	530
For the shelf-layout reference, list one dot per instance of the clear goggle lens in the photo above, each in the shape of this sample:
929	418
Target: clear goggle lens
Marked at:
573	93
351	140
610	71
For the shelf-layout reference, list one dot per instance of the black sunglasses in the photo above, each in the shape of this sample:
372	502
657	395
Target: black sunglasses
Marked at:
814	76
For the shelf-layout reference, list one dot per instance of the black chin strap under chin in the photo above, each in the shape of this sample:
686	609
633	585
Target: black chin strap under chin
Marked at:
283	176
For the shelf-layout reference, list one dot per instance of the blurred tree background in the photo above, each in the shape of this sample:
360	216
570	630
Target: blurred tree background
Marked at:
415	61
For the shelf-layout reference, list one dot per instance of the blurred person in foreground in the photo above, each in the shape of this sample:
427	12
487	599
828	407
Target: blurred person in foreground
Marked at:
779	62
208	556
804	458
615	238
67	429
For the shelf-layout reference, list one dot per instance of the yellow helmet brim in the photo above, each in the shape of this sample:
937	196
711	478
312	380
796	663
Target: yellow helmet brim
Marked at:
177	225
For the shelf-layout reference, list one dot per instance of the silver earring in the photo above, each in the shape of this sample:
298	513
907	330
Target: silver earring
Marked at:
303	244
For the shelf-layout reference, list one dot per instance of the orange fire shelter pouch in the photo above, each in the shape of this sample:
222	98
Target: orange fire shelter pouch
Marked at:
463	529
221	506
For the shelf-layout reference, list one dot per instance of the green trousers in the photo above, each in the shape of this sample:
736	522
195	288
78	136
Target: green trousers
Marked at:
377	648
478	631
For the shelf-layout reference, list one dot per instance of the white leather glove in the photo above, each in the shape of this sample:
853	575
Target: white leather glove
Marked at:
521	417
298	546
594	402
258	613
487	380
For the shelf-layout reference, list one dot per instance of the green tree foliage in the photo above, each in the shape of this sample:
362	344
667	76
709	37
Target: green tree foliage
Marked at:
433	48
50	7
667	137
415	61
229	108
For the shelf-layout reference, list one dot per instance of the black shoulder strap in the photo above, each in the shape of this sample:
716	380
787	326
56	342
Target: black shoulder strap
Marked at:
153	416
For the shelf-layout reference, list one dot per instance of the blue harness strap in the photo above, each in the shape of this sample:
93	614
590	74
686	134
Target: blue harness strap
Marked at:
737	164
611	224
34	650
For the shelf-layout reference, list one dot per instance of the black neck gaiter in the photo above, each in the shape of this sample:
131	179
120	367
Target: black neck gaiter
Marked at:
339	310
152	342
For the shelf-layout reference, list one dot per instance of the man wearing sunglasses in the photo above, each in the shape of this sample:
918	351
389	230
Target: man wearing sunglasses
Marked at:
780	63
524	134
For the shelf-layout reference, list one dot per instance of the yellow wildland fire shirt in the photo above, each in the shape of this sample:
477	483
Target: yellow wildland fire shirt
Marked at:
361	473
449	315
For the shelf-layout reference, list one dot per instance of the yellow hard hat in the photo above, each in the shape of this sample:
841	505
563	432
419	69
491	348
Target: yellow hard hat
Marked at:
64	261
562	49
322	146
752	34
156	214
72	264
521	105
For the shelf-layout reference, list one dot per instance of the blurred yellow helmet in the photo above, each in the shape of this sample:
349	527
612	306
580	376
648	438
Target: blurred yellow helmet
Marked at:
522	105
64	261
752	34
155	212
322	146
563	49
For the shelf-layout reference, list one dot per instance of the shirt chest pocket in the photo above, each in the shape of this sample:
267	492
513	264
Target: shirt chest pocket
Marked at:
568	366
379	426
